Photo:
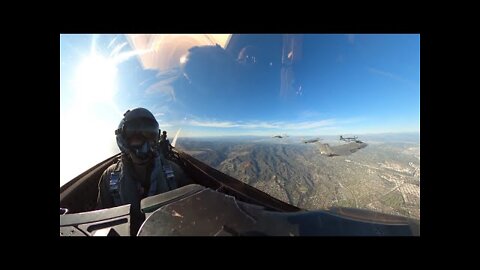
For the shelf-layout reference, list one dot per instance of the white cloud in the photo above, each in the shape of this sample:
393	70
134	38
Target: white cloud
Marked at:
212	124
163	87
265	125
163	124
117	48
385	74
311	124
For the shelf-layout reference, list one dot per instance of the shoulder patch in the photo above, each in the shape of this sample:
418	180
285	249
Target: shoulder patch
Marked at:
114	181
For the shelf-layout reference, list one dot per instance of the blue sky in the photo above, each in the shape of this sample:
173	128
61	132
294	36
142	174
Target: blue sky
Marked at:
349	84
344	84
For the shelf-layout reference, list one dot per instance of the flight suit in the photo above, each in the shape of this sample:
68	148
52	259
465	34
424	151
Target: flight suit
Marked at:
119	185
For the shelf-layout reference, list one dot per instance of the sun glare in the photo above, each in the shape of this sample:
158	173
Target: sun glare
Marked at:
86	127
95	79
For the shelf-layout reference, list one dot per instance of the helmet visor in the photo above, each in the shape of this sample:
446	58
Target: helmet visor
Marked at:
143	128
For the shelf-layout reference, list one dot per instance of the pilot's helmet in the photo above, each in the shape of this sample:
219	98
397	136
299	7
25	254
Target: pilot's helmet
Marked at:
137	134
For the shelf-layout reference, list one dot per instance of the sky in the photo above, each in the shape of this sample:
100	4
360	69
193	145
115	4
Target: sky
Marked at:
332	85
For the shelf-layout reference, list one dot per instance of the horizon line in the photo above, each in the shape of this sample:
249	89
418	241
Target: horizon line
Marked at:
326	135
